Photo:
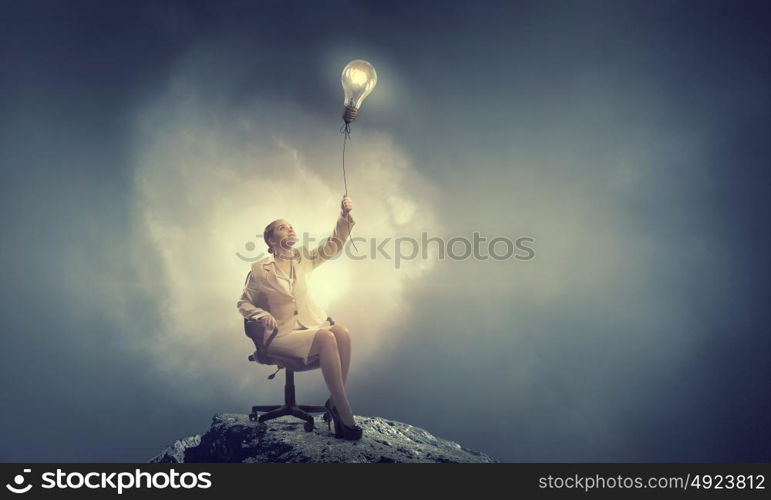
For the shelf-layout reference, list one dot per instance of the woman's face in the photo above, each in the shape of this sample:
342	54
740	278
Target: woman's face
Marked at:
283	234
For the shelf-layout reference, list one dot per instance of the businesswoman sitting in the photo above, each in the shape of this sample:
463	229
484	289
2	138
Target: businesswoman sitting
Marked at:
276	294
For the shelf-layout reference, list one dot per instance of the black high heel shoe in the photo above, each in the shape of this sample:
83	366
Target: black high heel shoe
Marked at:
351	433
328	414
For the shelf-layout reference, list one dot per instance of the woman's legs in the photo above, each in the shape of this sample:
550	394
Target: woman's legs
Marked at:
343	337
325	345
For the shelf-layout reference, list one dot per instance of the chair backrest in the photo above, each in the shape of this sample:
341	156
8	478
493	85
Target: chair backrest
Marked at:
255	331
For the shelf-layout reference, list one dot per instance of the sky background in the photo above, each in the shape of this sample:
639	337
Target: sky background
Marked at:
145	145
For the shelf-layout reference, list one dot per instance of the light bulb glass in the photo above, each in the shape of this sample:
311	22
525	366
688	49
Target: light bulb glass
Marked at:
358	79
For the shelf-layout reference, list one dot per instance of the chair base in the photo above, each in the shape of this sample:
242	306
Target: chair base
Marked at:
290	407
303	412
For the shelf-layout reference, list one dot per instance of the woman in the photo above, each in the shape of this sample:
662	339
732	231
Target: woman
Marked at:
276	294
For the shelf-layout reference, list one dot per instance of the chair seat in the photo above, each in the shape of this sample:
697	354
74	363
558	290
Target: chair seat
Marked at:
291	362
254	331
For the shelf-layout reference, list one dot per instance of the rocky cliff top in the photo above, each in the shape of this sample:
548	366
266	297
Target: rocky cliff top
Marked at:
234	438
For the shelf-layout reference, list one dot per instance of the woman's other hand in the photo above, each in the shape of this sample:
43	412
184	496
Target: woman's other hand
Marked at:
268	322
346	205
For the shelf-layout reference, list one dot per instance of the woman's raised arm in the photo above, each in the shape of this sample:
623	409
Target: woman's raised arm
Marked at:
334	244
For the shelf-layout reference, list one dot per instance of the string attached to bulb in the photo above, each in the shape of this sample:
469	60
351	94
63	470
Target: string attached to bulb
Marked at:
346	131
346	137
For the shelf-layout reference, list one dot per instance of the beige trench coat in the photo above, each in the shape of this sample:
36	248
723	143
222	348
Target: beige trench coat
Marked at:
263	293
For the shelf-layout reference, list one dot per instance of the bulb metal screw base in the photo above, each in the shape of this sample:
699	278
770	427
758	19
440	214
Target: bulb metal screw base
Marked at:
350	113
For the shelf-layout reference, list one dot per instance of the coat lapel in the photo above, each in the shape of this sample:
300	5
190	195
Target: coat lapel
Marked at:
270	273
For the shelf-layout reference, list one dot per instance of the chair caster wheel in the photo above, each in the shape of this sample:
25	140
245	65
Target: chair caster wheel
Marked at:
308	426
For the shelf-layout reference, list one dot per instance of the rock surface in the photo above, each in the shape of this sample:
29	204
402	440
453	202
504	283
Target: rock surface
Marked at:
234	438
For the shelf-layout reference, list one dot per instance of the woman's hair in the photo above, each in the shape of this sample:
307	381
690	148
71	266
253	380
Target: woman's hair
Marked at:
268	233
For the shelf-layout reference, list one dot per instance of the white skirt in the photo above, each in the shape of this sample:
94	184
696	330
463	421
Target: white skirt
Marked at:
296	343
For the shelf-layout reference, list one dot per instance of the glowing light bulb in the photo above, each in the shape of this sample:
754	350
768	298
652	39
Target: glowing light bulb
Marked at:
359	78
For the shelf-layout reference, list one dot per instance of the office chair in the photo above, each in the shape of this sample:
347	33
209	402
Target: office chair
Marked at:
255	331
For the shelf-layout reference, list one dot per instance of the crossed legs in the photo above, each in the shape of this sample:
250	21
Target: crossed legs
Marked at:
334	349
